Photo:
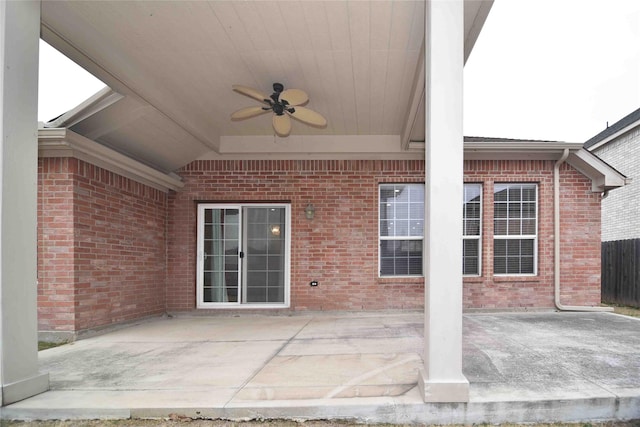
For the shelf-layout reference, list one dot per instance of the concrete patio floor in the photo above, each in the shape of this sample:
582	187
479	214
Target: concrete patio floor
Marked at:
522	367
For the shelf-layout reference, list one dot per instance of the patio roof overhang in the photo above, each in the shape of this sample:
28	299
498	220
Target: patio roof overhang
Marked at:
170	67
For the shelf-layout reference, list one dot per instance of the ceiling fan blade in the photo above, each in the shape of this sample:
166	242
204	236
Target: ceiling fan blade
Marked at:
251	93
248	112
282	125
309	117
295	96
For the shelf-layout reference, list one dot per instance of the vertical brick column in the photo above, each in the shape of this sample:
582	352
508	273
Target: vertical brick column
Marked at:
56	267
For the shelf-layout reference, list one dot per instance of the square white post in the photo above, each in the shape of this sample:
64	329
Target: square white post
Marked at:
19	40
442	379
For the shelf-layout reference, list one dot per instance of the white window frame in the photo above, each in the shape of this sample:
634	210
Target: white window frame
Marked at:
402	238
479	236
533	237
242	271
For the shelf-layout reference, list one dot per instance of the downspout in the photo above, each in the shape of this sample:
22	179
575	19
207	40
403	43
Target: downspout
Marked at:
556	242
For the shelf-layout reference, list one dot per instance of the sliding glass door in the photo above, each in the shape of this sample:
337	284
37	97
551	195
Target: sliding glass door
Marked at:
243	255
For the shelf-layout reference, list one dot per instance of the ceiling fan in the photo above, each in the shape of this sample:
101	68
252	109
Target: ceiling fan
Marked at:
283	103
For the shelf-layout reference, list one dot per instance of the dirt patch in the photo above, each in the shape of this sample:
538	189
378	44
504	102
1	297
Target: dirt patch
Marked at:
625	310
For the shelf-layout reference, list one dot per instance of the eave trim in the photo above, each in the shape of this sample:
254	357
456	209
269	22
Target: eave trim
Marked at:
520	146
61	142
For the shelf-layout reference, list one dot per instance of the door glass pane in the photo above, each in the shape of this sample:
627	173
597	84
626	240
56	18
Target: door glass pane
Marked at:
220	250
265	257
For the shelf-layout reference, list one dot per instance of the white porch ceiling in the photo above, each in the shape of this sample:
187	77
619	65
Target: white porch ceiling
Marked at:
175	63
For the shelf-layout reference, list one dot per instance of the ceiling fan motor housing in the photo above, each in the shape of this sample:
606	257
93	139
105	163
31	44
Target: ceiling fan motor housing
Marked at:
279	105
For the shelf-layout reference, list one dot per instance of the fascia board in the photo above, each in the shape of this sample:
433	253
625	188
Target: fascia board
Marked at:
61	142
510	150
474	29
517	150
515	146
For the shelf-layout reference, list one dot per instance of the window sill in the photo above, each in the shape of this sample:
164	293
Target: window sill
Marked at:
401	279
520	279
237	306
473	279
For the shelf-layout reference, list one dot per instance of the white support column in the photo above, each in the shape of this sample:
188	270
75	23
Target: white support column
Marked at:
442	379
19	39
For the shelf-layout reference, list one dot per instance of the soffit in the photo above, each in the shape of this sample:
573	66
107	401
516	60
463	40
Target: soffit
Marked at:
175	62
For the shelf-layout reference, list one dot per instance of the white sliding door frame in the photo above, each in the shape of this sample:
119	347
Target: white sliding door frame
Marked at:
242	246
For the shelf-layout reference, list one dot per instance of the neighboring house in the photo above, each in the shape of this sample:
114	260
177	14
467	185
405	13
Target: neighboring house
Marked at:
149	199
619	146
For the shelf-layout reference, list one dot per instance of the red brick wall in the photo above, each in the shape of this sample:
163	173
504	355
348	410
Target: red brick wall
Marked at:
102	247
56	278
339	247
104	255
580	239
580	244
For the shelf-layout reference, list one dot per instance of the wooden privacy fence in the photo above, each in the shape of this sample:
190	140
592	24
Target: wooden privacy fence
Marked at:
621	272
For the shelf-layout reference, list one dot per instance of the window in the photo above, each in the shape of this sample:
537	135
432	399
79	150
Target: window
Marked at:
471	229
401	214
515	229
